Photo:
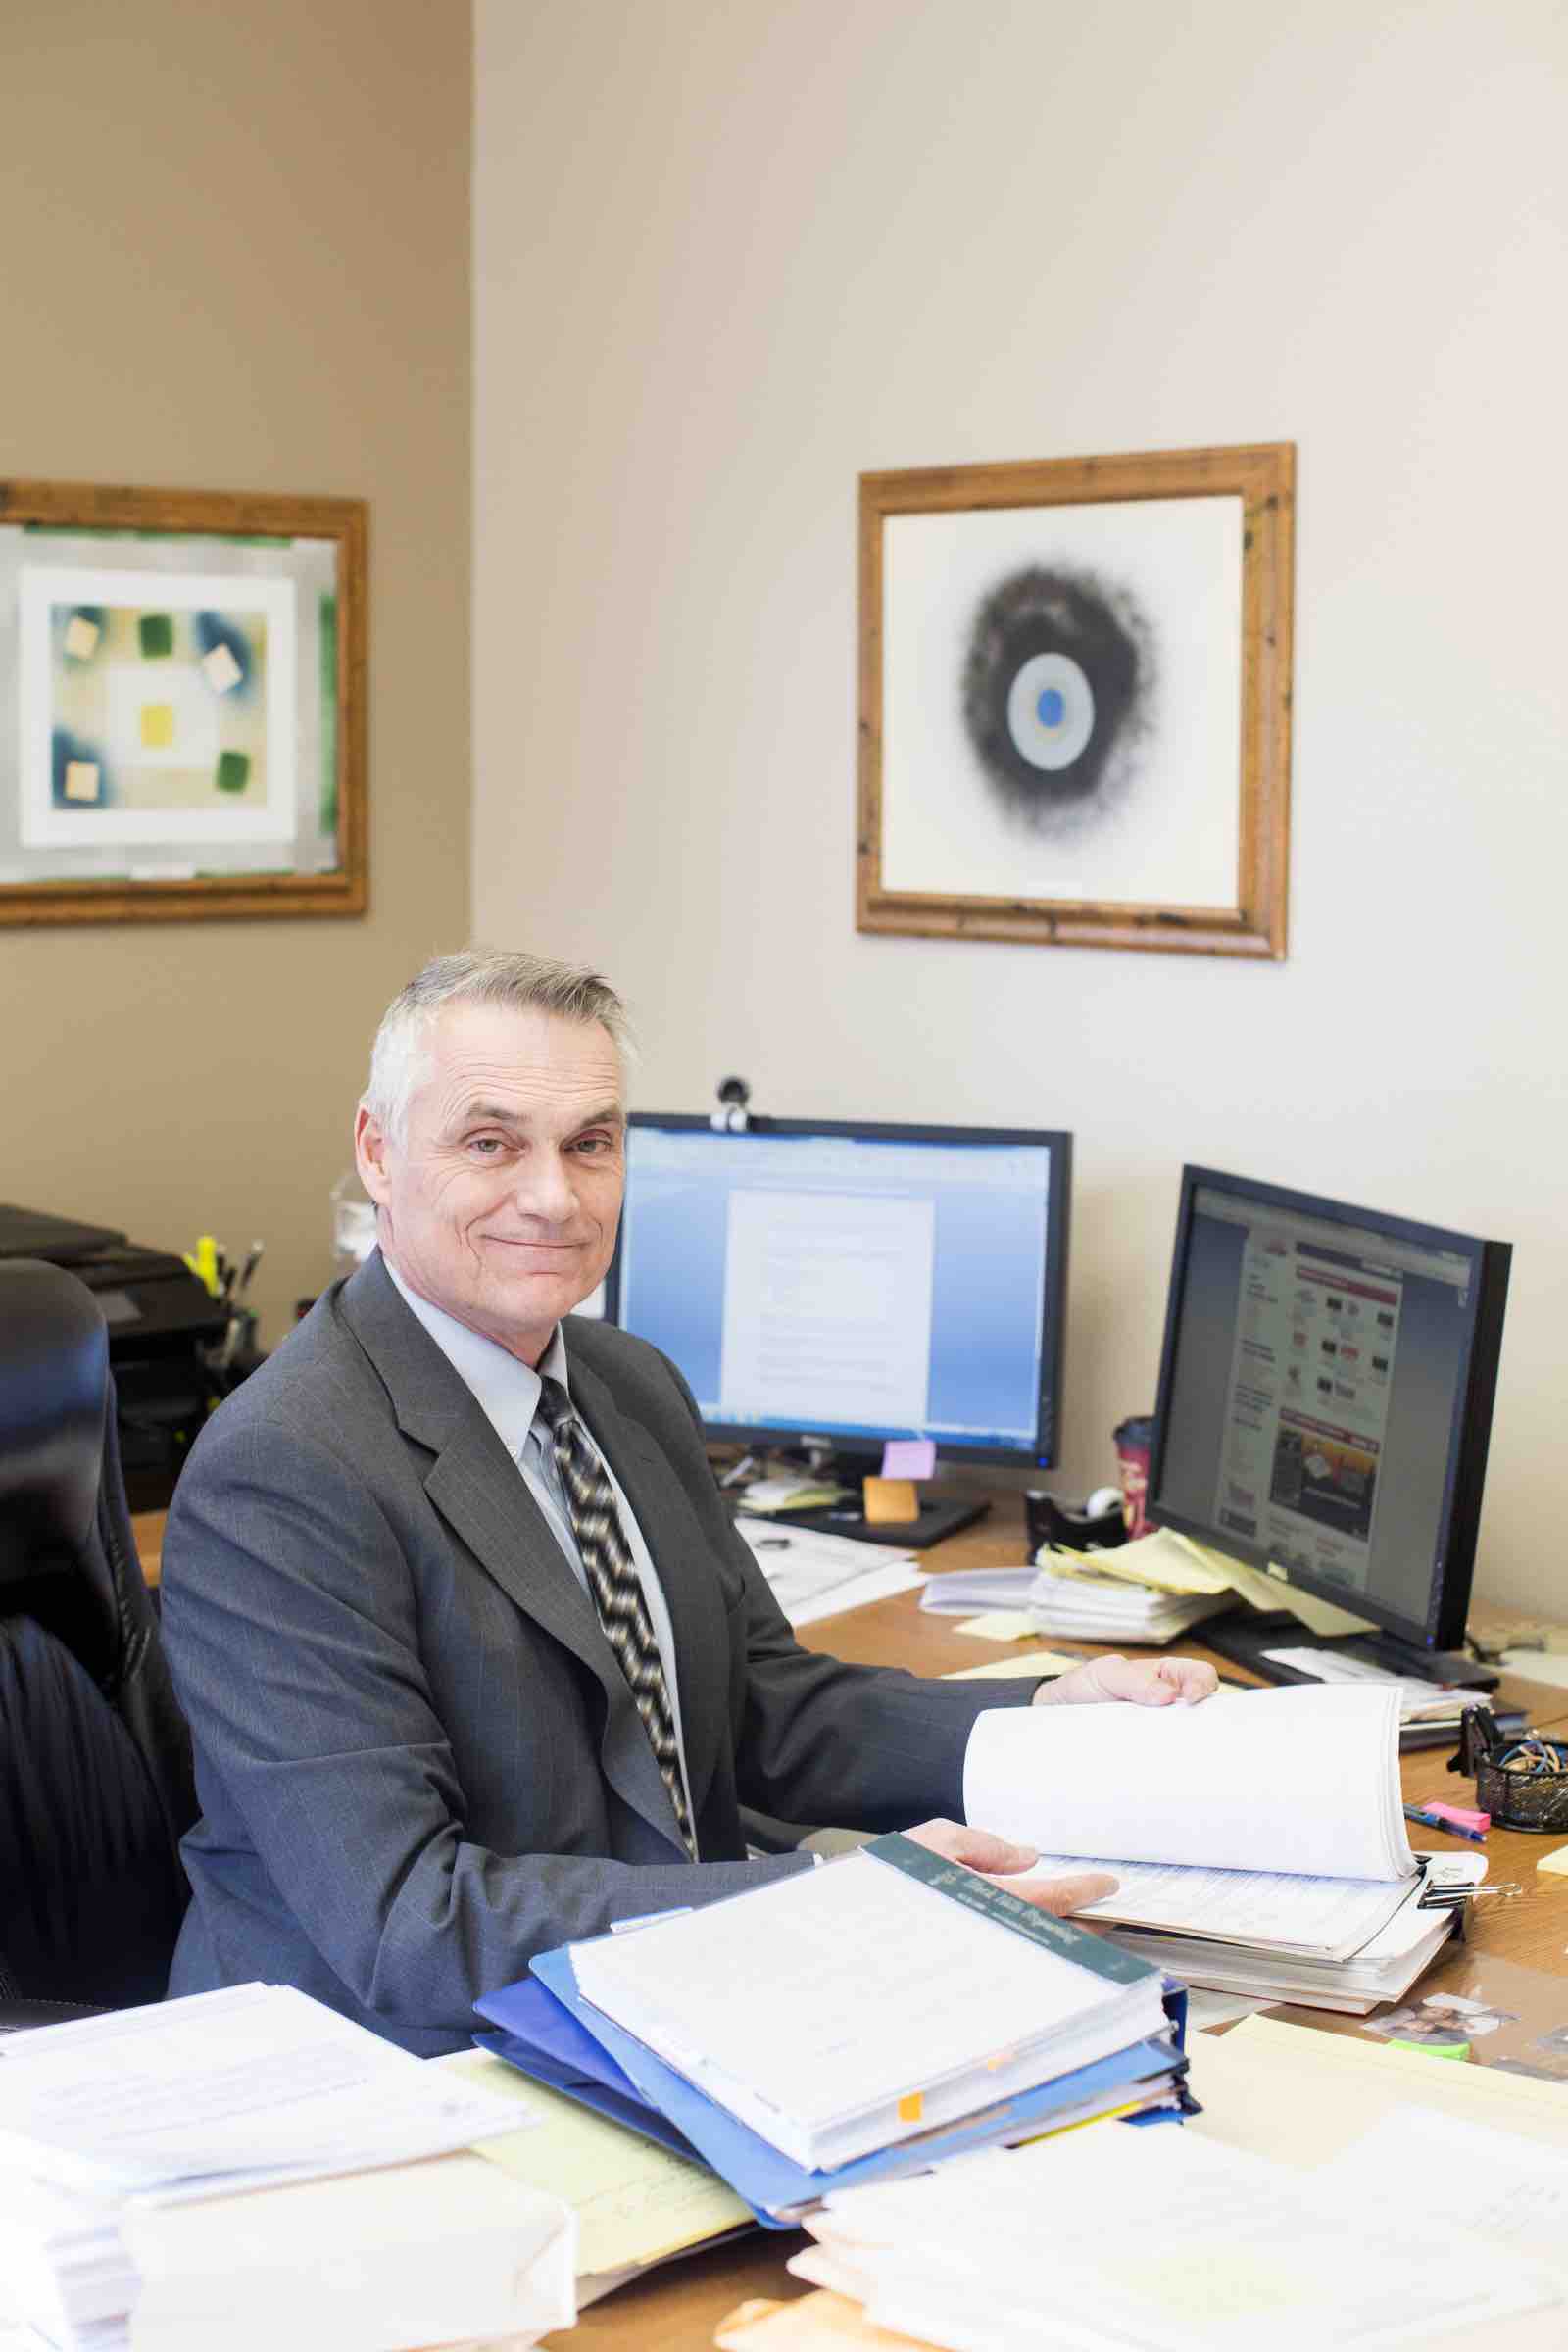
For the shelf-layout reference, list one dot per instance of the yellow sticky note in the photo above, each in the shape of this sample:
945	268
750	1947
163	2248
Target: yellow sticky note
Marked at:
1002	1625
157	726
81	781
891	1501
82	637
911	2107
1556	1861
1043	1662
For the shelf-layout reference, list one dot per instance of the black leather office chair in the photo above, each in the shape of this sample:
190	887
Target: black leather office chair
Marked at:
95	1774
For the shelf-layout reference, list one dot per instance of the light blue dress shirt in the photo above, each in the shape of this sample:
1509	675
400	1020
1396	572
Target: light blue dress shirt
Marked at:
507	1391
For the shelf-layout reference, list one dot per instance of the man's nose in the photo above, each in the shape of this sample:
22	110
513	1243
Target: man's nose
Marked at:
543	1188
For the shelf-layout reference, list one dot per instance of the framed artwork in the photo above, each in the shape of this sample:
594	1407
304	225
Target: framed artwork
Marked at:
1075	695
183	704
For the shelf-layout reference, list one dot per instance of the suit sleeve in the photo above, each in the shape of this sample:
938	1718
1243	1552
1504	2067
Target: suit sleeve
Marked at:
823	1743
295	1646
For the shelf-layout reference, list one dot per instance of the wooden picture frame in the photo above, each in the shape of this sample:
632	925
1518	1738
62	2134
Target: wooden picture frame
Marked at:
183	704
1154	591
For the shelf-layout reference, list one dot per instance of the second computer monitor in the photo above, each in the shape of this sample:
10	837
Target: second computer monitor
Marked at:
1325	1398
853	1282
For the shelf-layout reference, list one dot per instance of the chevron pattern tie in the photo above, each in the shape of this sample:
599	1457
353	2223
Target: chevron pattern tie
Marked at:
616	1587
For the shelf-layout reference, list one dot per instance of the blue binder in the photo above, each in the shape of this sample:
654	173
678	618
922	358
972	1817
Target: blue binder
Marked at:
550	2032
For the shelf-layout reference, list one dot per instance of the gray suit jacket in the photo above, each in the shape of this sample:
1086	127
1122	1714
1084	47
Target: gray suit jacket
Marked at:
418	1759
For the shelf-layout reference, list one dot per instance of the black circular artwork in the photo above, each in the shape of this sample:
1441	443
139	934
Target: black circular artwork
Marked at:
1058	691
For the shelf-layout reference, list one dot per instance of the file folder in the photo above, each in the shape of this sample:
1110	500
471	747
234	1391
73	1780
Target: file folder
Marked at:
563	2041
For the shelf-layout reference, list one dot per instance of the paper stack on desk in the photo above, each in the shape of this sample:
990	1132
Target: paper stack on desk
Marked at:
1160	2241
1149	1591
858	2022
1258	1839
248	2169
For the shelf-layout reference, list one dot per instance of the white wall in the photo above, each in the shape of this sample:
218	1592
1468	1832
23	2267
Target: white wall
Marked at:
730	252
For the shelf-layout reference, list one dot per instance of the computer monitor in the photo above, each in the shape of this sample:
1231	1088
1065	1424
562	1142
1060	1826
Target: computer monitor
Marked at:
832	1283
1325	1406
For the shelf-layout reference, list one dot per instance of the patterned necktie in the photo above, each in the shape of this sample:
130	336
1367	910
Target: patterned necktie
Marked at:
616	1587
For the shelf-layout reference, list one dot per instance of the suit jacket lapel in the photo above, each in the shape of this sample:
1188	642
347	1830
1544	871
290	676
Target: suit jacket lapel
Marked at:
481	1495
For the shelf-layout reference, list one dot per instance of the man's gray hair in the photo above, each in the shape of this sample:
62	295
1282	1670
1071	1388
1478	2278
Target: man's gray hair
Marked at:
505	976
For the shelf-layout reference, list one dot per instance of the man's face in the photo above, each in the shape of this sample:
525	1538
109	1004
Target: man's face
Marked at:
501	1202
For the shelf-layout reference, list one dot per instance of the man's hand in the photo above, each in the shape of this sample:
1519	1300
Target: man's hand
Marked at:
1145	1682
1004	1865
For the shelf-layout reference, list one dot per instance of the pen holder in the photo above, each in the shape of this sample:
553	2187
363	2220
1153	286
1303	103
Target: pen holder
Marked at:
1519	1800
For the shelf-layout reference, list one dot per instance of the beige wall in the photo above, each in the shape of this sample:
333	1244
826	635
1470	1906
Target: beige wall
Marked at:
236	257
727	256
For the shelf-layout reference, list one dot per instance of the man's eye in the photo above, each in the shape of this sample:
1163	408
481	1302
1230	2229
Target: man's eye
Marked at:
595	1146
487	1146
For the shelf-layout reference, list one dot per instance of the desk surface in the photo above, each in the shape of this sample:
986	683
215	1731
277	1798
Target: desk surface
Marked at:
677	2309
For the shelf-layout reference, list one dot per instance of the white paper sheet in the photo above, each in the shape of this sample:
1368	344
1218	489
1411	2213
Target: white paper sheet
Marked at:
810	2006
1334	1917
1486	2184
1304	1780
1209	2251
813	1576
254	2083
439	2252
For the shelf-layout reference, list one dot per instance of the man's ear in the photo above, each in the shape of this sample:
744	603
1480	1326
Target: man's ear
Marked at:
369	1155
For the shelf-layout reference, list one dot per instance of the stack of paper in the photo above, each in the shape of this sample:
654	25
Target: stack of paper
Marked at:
1258	1840
248	2168
1088	1607
1160	2241
1148	1591
858	2022
1081	1605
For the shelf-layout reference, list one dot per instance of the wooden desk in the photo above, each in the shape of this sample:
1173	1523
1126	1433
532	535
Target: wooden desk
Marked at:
676	2308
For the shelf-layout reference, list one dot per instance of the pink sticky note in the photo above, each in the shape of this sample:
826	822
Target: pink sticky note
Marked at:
909	1457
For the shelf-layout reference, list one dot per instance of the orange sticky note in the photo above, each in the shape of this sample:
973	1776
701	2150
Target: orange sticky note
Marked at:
912	2106
890	1501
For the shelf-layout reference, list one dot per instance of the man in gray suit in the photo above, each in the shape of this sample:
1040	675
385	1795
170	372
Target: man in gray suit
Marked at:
474	1662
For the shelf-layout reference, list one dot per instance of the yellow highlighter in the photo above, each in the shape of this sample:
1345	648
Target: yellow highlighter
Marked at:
204	1264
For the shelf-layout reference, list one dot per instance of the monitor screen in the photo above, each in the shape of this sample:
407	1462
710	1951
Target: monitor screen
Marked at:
853	1282
1325	1398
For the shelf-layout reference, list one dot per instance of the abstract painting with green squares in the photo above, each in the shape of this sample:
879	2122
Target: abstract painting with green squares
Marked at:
157	709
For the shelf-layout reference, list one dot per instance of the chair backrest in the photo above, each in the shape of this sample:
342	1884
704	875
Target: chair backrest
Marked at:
95	1770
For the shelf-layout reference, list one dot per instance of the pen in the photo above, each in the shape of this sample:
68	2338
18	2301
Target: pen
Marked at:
1435	1821
772	1544
248	1268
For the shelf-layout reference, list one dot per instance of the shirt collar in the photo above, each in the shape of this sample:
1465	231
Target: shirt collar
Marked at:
506	1390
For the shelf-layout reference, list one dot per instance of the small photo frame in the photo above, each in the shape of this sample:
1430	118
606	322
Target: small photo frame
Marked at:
1074	687
182	687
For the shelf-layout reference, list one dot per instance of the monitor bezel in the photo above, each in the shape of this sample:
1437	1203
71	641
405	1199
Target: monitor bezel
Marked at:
1470	1428
1057	1143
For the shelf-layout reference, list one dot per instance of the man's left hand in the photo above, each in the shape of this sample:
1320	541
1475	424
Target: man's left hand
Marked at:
1143	1682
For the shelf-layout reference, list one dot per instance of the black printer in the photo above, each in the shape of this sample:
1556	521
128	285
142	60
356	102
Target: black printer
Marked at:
159	1319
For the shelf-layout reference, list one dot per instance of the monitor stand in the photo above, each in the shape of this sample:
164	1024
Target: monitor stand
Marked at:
1244	1635
940	1516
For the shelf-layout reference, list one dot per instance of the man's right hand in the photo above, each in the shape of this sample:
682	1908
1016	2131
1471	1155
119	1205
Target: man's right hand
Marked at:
1006	1866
